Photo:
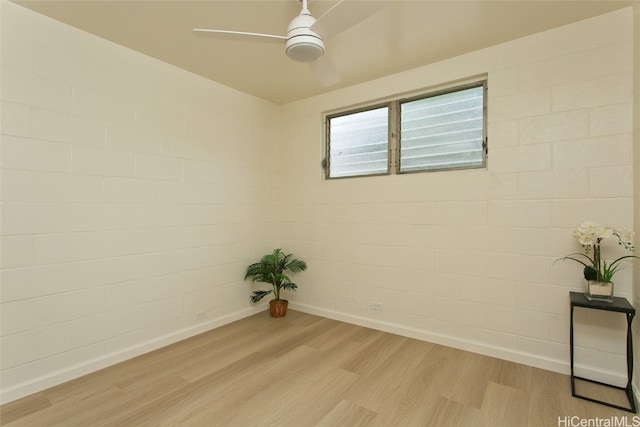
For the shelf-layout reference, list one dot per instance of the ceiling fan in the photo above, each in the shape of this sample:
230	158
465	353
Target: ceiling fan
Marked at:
306	35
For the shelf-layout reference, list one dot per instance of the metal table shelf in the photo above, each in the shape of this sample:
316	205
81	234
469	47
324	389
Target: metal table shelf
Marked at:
619	305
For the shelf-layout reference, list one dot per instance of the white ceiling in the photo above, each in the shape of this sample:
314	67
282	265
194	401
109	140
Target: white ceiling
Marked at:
404	35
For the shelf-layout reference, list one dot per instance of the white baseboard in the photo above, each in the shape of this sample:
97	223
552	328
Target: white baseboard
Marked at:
58	377
529	359
602	375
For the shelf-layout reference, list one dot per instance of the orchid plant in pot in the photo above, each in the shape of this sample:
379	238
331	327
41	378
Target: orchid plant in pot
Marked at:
597	270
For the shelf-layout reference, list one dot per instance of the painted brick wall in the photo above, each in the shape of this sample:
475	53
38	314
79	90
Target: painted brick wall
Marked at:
466	257
133	196
134	193
636	169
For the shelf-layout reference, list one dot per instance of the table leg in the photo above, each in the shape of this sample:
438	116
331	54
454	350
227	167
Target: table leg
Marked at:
629	388
573	382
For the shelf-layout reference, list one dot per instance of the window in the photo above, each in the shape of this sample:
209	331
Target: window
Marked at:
435	131
359	143
443	131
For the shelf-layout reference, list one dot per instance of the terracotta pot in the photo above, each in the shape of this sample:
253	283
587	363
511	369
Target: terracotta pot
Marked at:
278	307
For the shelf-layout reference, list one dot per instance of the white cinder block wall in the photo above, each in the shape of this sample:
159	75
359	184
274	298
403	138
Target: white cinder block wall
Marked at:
636	171
134	193
465	258
133	196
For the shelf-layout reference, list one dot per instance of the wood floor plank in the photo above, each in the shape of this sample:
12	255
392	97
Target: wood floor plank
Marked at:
211	359
265	382
504	405
346	413
128	400
334	335
300	385
468	383
23	407
59	413
278	406
305	370
422	387
373	354
385	386
513	374
449	413
187	401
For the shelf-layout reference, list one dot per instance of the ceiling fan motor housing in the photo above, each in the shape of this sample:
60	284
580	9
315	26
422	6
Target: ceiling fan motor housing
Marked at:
303	44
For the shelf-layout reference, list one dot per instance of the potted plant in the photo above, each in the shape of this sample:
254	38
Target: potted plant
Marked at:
597	271
271	269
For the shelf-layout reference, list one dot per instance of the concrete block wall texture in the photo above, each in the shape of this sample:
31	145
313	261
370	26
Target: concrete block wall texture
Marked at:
466	258
636	169
134	194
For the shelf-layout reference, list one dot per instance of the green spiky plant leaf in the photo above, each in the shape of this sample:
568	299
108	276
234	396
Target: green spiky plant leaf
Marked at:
271	269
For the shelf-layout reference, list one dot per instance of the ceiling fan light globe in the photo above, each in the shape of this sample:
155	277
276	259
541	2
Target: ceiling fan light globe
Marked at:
304	48
303	44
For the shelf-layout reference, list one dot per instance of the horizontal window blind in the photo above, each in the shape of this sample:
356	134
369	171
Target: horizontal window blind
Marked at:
443	131
358	143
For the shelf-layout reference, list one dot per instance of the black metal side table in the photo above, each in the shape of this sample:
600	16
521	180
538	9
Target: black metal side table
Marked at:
619	305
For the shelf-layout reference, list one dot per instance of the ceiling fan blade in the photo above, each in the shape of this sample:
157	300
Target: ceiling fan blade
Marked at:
346	14
240	35
324	71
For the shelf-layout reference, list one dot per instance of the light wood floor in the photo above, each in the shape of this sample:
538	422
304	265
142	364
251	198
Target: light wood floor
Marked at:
304	370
